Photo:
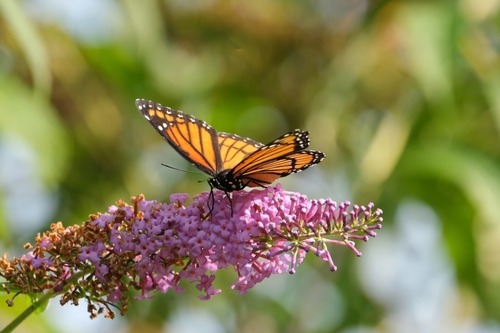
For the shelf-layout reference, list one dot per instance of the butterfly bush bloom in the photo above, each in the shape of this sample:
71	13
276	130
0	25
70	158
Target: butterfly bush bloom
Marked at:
153	246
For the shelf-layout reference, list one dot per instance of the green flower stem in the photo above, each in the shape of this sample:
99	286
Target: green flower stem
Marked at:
40	302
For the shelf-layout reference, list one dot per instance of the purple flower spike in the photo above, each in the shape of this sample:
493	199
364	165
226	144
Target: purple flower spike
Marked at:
152	246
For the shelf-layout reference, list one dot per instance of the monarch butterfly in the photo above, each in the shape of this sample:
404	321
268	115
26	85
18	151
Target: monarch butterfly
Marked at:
233	162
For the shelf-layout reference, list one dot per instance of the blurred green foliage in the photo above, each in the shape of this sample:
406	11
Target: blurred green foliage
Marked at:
403	97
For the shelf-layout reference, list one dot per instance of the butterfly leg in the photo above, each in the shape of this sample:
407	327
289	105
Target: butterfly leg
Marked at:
230	201
210	203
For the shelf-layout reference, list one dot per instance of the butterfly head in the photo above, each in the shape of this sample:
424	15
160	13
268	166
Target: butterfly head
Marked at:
223	181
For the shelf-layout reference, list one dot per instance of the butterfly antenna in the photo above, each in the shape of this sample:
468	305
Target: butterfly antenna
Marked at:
186	171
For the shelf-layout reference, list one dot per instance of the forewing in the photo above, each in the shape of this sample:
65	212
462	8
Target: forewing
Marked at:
277	159
233	149
284	145
194	139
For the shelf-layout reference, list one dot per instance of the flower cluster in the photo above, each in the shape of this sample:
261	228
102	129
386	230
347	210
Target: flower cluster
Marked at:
152	246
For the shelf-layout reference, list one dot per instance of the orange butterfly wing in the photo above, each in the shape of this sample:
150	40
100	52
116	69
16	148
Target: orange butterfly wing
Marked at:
281	157
194	139
198	142
267	172
233	149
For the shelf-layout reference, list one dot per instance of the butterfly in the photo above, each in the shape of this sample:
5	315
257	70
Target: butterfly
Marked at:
233	162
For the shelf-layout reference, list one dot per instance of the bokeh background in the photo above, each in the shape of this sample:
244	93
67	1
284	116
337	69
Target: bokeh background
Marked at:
402	96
